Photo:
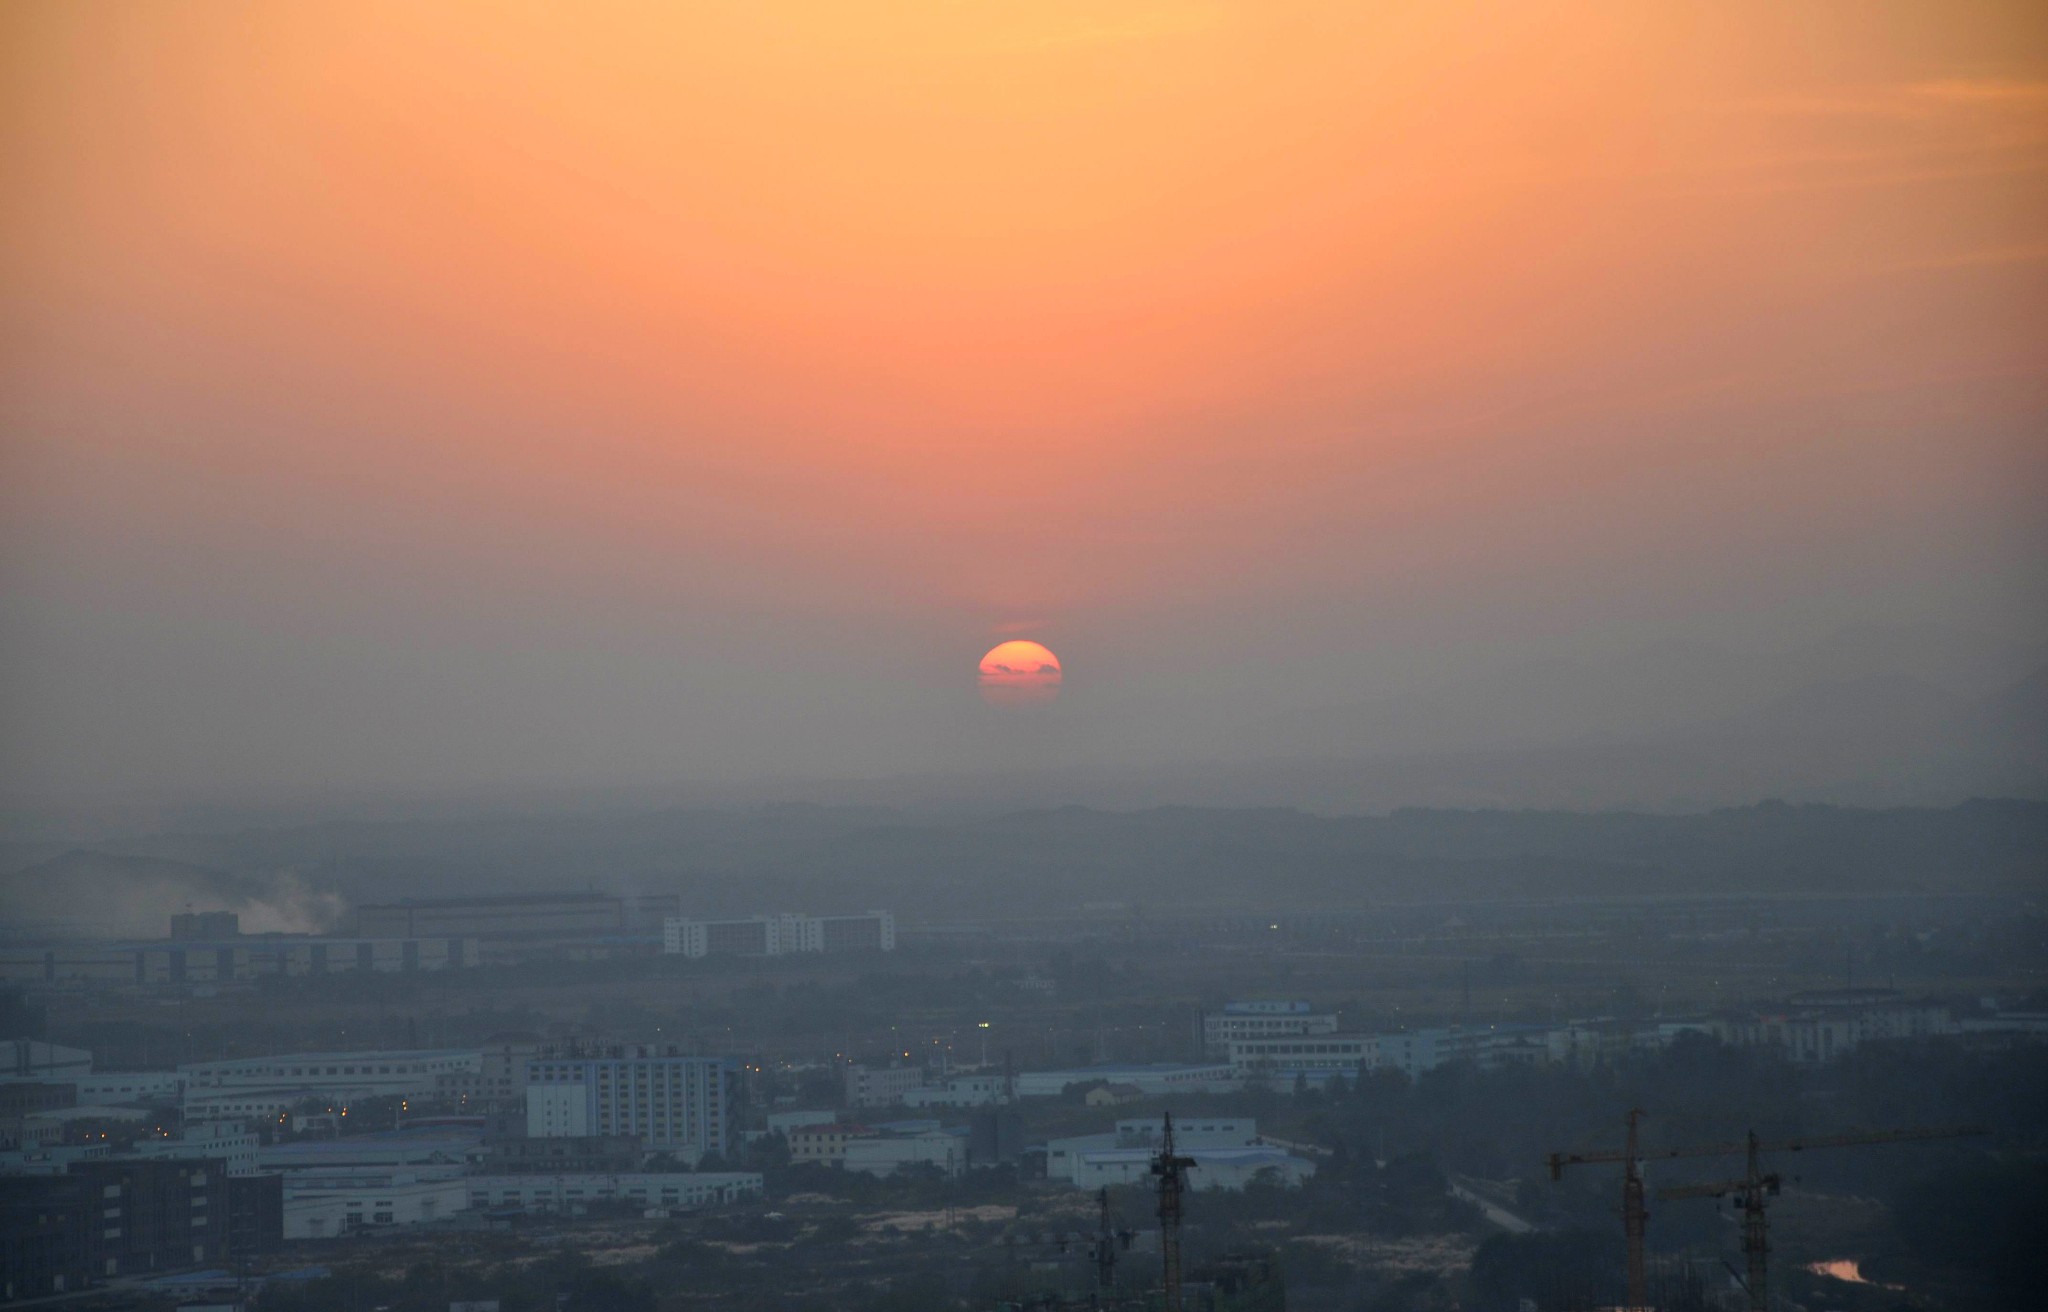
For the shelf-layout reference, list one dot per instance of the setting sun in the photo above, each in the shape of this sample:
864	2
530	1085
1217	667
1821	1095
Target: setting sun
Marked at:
1019	673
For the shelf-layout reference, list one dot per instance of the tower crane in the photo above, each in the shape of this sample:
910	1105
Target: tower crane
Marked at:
1757	1184
1635	1212
1172	1172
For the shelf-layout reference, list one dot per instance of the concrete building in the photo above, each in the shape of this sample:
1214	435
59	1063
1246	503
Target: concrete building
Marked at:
108	1088
498	1084
684	1106
267	1086
199	961
231	1142
1154	1079
1214	1168
886	1154
1818	1027
783	1122
332	1204
1279	1061
976	1090
779	935
1141	1135
1261	1020
824	1145
881	1086
747	936
413	1148
596	1154
32	1059
558	1193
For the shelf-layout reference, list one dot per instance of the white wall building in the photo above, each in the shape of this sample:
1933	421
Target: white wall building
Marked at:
1317	1056
1214	1168
887	1154
226	1140
674	1104
960	1091
111	1087
332	1204
1261	1020
267	1086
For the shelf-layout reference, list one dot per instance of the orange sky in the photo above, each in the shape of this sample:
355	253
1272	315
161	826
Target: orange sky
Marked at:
963	314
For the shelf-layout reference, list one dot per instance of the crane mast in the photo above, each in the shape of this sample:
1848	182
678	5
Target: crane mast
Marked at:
1172	1172
1755	1186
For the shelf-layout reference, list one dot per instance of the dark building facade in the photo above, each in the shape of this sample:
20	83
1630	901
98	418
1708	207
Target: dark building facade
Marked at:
105	1219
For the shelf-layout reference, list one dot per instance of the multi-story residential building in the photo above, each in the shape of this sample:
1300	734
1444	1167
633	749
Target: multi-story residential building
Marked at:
518	916
1261	1020
684	1106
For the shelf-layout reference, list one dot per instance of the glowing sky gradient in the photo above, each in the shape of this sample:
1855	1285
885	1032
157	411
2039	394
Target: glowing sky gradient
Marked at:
423	394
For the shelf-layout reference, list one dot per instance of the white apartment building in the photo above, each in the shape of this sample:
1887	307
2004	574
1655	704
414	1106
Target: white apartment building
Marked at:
674	1104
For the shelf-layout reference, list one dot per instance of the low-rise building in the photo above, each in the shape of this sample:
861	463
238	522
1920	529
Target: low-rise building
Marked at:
979	1090
1261	1020
592	1154
332	1204
560	1193
886	1154
1314	1056
32	1059
824	1145
881	1086
1153	1079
